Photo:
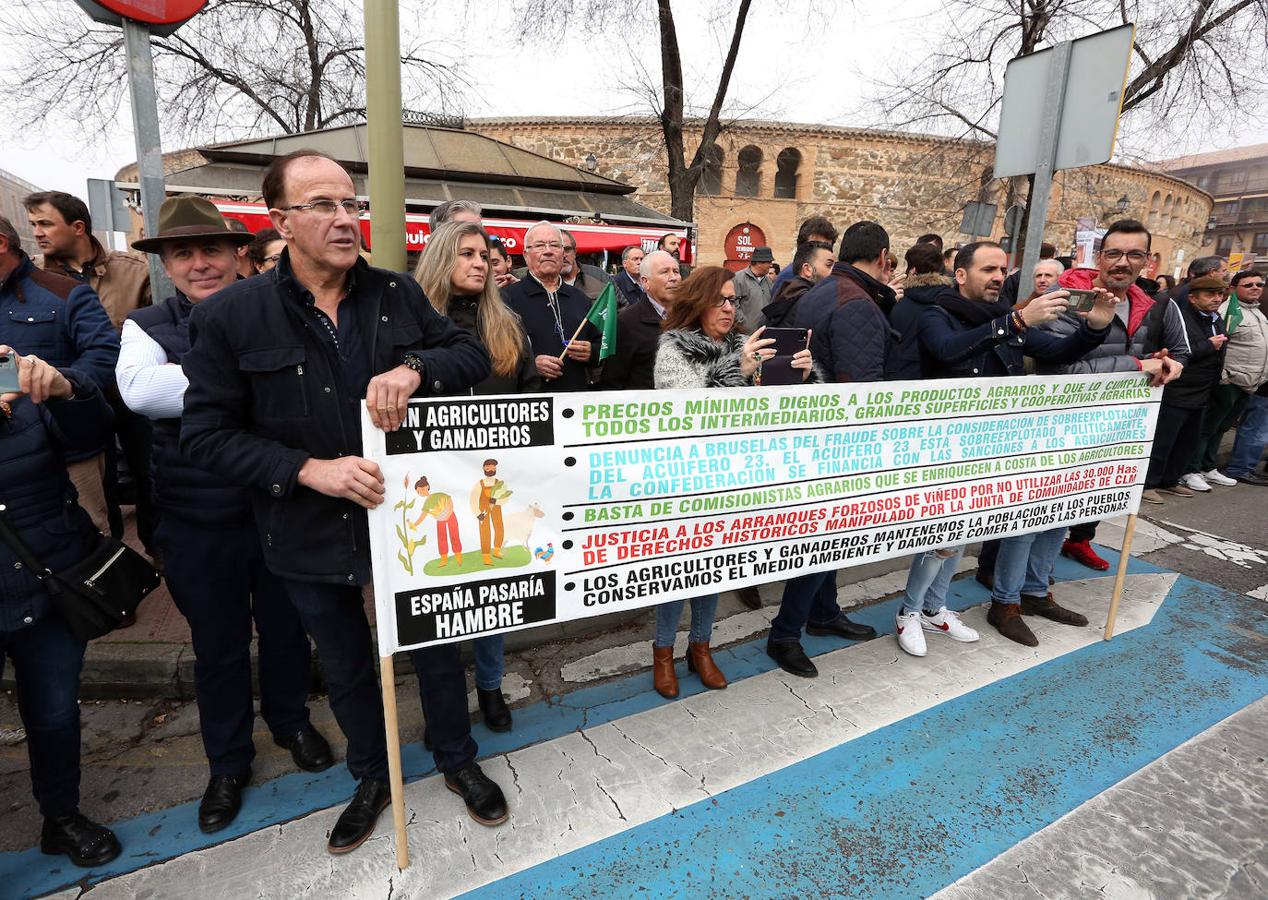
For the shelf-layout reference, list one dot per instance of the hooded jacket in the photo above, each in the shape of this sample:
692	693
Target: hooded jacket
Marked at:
1127	344
919	293
783	300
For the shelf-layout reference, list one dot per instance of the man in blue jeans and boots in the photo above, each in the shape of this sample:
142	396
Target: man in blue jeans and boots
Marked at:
277	373
848	314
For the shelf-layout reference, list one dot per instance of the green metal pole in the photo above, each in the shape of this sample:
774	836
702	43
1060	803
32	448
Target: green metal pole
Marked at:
385	132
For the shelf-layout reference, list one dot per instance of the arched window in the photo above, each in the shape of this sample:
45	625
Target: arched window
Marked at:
749	178
1168	210
1154	202
786	166
711	177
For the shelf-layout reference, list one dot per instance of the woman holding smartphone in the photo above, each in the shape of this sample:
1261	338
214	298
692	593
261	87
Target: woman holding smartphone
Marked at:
702	348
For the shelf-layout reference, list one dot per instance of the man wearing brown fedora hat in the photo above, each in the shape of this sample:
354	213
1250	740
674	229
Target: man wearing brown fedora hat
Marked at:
281	367
214	565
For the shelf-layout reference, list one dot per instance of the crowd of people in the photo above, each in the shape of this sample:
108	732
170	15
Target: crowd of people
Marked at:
234	405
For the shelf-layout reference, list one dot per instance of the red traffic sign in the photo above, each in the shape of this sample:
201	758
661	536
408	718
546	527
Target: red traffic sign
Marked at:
148	12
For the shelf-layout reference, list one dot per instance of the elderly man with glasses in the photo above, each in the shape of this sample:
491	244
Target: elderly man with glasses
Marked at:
280	367
551	310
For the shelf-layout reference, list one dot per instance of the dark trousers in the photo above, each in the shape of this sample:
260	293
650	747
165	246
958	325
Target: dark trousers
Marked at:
442	689
986	557
47	660
807	599
1175	439
136	441
335	618
1226	404
219	583
1084	531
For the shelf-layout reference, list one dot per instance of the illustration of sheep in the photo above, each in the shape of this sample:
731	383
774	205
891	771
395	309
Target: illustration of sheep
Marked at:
519	525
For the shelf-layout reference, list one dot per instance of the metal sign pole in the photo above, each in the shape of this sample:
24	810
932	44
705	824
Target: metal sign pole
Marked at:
149	151
1037	211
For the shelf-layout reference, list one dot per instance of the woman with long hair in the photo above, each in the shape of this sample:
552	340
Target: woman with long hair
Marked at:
701	347
455	275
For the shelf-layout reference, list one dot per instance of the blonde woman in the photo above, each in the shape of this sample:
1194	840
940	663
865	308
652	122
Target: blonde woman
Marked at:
455	275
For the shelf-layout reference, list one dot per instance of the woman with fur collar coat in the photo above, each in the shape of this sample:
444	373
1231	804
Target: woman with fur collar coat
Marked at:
701	348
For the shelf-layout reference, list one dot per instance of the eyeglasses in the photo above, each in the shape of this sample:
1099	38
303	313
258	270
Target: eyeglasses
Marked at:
1134	256
544	245
327	208
721	302
1251	284
274	258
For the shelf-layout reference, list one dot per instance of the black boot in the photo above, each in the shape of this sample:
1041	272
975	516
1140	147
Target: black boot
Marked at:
497	715
356	822
85	842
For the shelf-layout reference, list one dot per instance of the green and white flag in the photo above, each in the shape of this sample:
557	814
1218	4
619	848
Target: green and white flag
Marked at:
603	315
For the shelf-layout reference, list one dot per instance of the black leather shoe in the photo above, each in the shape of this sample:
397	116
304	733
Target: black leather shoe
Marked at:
750	597
792	659
484	799
221	801
85	842
841	626
356	822
497	715
308	748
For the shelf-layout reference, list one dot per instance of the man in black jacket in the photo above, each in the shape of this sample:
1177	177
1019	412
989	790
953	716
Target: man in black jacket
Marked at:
638	326
551	310
277	373
627	280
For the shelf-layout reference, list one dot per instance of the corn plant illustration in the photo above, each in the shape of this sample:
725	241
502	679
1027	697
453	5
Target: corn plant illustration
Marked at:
409	544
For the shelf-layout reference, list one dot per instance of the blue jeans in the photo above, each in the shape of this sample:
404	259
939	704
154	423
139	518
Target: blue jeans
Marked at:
807	599
1024	564
929	578
489	662
47	660
1252	435
703	610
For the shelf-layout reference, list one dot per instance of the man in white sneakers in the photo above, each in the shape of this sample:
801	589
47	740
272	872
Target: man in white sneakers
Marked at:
925	602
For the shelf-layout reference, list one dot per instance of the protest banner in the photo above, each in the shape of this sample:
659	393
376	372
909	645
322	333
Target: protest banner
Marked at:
510	512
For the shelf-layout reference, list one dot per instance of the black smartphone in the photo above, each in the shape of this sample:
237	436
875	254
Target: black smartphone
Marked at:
1081	301
788	341
8	373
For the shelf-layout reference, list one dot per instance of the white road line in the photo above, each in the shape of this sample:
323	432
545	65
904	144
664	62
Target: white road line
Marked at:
588	785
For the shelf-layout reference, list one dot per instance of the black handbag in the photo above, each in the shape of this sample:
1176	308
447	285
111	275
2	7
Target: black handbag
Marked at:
96	594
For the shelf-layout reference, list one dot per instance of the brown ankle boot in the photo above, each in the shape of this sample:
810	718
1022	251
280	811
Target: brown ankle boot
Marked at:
1006	617
700	661
1032	605
663	676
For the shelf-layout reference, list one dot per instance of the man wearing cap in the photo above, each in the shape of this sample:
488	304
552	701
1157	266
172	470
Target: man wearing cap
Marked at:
753	288
214	565
282	366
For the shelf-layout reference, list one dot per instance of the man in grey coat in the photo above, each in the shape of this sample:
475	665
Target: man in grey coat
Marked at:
753	288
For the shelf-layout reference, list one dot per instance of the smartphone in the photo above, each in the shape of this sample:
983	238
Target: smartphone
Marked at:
8	374
788	341
1081	301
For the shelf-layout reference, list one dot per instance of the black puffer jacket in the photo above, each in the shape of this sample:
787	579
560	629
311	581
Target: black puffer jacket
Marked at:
39	501
463	312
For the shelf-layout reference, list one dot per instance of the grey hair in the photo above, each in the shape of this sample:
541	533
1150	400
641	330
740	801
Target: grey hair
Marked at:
10	234
1059	264
445	211
1204	265
625	254
543	224
645	269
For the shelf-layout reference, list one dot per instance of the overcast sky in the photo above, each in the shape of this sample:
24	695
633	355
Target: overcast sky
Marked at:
797	63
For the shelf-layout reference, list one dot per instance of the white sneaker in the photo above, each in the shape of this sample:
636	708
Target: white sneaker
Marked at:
1195	482
1215	476
944	621
910	636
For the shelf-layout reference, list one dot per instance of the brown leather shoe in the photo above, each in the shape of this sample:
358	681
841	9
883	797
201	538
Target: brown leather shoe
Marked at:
1006	617
700	661
663	676
1048	608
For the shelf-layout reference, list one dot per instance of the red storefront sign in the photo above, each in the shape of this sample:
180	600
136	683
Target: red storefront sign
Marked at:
154	12
590	238
740	243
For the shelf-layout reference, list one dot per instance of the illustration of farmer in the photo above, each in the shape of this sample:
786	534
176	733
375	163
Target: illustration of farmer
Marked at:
440	506
487	498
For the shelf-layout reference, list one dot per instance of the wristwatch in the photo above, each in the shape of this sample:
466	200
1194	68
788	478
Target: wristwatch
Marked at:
415	362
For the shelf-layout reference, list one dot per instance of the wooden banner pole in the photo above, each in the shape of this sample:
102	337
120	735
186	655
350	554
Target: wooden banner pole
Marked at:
1124	557
573	338
394	760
